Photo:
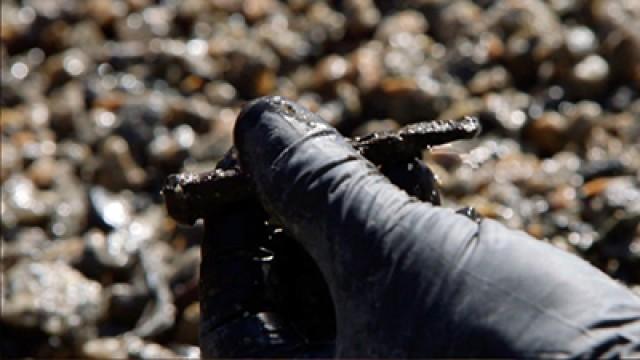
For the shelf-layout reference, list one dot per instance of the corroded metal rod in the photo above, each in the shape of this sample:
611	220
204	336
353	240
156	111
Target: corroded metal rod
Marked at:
190	196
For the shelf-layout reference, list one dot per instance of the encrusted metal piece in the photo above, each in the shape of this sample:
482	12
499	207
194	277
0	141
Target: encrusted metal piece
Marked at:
191	196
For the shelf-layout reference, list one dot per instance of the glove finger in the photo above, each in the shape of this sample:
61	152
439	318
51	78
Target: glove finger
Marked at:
349	217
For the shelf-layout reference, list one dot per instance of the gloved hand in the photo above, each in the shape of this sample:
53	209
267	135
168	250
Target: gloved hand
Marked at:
409	279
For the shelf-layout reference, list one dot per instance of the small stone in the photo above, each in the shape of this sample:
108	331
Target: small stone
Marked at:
114	210
563	198
489	80
25	201
255	10
367	63
409	21
51	296
548	133
595	187
104	348
189	325
11	159
332	69
362	15
581	41
42	172
118	169
590	76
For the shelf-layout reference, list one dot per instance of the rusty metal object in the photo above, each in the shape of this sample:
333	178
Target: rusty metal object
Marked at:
190	197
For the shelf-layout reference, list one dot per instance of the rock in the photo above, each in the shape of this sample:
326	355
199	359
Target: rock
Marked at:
589	77
580	41
127	346
596	169
42	172
332	69
51	296
118	169
407	21
26	203
11	160
113	210
548	133
362	16
189	325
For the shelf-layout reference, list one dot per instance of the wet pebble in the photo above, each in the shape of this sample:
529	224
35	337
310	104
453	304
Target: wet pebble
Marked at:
51	296
589	77
581	41
118	168
127	346
113	210
11	160
548	133
26	204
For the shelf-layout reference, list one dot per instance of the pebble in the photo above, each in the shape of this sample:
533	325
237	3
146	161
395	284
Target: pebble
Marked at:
581	41
548	133
128	346
51	296
118	168
189	324
11	161
590	76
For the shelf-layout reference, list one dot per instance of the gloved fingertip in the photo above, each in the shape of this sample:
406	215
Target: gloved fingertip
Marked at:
268	125
248	119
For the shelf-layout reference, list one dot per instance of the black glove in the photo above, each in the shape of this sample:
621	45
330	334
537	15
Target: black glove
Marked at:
409	279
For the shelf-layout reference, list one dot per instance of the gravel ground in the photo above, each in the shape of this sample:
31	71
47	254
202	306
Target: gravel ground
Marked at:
102	99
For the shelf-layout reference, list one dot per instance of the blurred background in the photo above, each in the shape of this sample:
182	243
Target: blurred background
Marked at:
102	99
